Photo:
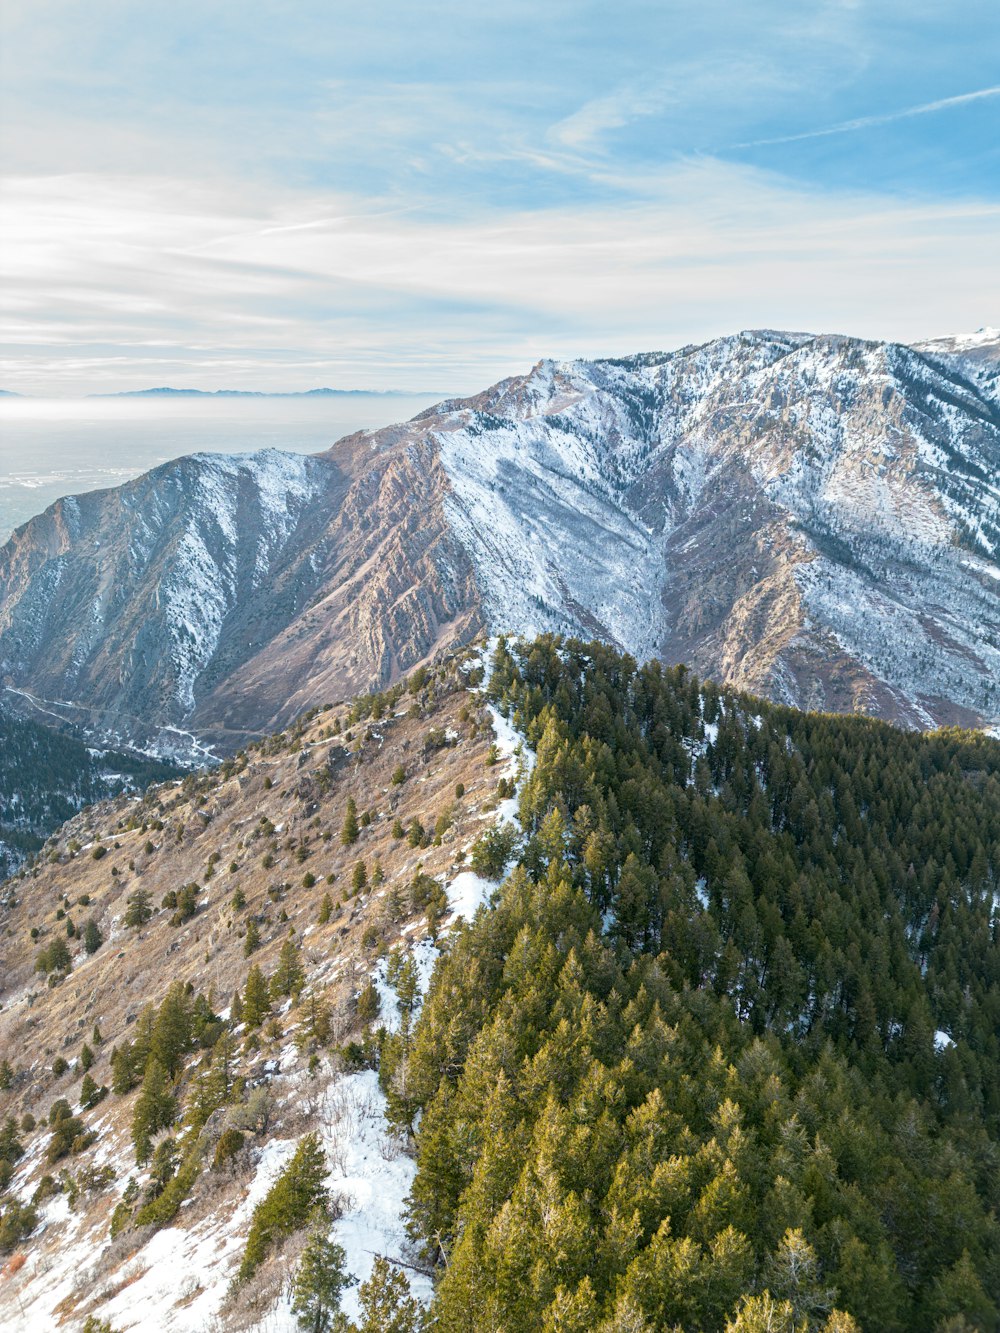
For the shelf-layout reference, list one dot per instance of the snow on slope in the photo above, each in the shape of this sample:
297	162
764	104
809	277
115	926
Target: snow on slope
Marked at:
813	518
567	488
177	1281
533	509
203	583
371	1172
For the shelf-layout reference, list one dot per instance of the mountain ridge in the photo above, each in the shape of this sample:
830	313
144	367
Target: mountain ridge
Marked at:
653	995
811	518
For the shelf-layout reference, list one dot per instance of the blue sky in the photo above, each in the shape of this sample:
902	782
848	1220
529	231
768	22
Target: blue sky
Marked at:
430	196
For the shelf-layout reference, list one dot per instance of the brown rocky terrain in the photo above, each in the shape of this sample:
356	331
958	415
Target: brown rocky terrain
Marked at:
226	599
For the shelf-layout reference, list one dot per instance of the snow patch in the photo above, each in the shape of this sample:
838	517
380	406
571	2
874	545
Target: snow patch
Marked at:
467	892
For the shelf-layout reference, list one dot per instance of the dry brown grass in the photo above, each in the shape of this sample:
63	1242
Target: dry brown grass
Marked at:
221	819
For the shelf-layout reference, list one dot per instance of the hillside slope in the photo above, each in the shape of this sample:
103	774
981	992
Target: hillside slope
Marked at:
813	518
261	841
721	1053
725	1055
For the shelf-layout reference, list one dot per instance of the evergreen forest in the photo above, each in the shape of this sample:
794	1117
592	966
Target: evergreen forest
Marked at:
725	1054
47	776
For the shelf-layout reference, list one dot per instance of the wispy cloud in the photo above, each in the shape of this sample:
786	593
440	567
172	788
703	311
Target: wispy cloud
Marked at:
884	118
440	198
114	283
585	129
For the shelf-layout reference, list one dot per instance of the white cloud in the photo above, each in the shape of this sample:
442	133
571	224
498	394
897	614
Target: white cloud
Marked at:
586	127
115	281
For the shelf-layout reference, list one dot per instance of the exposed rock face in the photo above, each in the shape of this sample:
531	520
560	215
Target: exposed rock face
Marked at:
814	519
220	596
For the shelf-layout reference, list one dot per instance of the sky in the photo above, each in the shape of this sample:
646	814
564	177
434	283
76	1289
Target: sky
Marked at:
427	197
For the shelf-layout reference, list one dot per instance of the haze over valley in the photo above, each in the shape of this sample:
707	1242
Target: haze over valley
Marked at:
50	447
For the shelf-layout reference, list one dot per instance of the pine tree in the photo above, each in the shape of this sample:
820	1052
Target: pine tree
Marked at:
55	957
90	1093
251	940
325	910
154	1110
403	977
171	1037
572	1312
163	1166
763	1314
289	977
369	1003
793	1274
959	1292
304	1189
386	1303
86	1057
125	1069
11	1149
320	1280
297	1194
256	998
349	829
139	908
211	1088
318	1024
92	937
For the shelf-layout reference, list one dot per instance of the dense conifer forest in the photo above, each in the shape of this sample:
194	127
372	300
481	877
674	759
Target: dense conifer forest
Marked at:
726	1052
47	776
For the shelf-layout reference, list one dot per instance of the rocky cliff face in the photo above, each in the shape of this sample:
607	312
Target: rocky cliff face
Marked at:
813	518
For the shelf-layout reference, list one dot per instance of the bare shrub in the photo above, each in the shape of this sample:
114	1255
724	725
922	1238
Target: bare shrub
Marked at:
247	1307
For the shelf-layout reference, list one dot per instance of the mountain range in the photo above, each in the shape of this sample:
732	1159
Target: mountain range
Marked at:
815	519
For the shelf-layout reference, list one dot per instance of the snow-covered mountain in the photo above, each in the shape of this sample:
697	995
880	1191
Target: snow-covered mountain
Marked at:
816	519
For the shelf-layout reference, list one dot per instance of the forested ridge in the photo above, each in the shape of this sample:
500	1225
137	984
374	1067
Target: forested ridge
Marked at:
726	1052
47	776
